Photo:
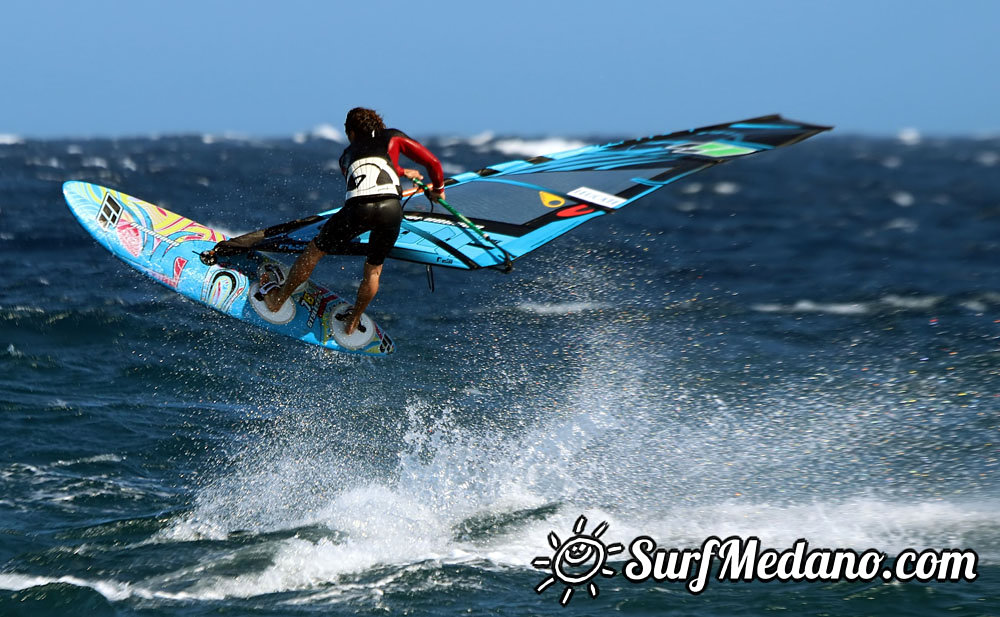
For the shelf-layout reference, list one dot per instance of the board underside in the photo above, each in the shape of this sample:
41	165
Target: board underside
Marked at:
165	246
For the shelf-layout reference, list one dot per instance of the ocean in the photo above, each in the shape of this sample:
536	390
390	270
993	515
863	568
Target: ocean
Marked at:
802	344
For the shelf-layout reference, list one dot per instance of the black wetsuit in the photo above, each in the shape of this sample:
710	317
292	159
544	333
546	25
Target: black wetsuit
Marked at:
371	166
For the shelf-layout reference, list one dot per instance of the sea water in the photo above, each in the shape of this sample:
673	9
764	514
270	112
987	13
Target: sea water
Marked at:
799	345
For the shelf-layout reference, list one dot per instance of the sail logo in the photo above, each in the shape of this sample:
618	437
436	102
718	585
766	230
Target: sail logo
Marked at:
712	149
551	201
595	197
110	212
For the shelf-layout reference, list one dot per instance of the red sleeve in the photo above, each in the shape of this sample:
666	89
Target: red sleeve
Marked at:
416	152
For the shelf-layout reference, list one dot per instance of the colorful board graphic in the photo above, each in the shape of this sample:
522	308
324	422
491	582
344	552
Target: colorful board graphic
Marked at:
165	246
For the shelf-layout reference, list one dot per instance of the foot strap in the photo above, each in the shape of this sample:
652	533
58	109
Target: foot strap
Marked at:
347	315
265	289
275	279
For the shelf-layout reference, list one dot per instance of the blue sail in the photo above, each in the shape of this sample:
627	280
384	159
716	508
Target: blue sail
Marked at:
525	203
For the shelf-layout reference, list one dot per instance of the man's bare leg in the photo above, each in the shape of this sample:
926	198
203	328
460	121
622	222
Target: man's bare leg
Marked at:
299	274
366	291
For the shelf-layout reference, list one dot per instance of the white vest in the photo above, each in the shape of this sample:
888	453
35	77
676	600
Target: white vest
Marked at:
372	176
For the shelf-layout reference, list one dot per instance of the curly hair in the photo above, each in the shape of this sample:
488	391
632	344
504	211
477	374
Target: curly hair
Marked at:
363	121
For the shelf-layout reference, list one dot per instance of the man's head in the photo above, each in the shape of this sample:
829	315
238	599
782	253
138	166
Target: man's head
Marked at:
362	122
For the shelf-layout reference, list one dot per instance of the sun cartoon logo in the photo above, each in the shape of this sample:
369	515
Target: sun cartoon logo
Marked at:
577	561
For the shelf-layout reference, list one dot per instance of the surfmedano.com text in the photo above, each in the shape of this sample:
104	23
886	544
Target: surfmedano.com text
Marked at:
741	559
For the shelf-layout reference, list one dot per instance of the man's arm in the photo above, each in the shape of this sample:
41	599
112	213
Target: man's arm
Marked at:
414	150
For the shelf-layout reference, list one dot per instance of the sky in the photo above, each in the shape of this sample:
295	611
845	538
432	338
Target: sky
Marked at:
534	68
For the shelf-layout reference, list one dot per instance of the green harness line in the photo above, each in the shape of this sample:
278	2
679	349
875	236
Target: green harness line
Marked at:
507	258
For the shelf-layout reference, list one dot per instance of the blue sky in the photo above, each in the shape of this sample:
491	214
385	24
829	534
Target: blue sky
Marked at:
275	68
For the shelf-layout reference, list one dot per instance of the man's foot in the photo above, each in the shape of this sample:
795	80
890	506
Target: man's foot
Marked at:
271	280
353	321
271	298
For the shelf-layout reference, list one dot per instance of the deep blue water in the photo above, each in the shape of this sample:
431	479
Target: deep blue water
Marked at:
801	344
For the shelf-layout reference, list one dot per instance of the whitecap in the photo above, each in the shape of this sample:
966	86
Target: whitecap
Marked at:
95	161
902	198
909	136
97	458
726	188
902	224
112	590
988	159
328	132
7	139
480	139
911	302
450	169
536	147
808	306
39	162
560	308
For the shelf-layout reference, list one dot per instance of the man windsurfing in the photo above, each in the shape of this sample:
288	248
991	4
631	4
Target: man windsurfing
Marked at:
370	165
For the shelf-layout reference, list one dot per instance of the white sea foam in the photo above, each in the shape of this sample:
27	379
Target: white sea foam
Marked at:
97	458
109	589
726	188
902	198
114	591
481	139
903	224
95	161
561	308
597	452
988	158
327	131
808	306
536	147
909	136
912	302
52	162
450	169
410	523
7	139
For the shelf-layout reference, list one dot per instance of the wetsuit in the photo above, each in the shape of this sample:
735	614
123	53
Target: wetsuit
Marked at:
371	166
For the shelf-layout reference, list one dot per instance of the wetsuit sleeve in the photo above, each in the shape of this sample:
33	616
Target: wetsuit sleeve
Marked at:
417	152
